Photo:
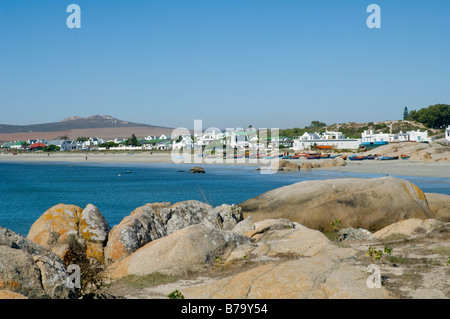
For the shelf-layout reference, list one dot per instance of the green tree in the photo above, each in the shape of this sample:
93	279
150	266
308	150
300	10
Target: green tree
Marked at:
405	113
317	124
82	139
51	148
108	145
435	116
133	141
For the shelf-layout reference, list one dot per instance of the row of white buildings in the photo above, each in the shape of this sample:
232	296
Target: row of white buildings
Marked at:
337	140
245	139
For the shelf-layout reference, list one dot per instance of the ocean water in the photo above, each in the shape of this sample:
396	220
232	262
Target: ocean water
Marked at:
27	190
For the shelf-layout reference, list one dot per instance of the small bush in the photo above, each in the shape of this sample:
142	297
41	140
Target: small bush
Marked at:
175	295
395	236
150	280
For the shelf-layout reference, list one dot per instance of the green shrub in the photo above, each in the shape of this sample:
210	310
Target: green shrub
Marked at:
175	295
150	280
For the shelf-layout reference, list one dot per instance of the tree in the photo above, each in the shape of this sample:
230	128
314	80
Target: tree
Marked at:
133	141
82	139
405	113
51	148
317	124
109	145
435	116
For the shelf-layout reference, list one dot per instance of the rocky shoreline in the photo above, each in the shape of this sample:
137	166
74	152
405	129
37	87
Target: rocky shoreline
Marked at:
308	240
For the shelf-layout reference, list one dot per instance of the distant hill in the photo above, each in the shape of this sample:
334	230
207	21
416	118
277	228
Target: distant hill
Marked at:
72	123
101	126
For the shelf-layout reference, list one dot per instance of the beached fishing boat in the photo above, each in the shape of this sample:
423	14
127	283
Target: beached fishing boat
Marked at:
356	158
313	157
387	158
323	147
403	156
325	156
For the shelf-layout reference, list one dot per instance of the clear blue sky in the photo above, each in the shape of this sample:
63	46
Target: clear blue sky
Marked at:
231	63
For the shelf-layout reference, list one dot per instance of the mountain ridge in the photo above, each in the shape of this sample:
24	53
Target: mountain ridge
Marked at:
73	123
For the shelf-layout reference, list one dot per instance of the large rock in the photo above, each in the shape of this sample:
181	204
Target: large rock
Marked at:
335	162
317	277
407	228
350	234
7	294
181	252
312	267
283	165
197	169
29	269
62	225
439	205
280	237
153	221
360	203
142	226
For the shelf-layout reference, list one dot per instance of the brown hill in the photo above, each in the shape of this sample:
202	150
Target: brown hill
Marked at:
99	126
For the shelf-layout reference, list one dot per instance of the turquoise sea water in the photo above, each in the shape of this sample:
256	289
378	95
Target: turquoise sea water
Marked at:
28	190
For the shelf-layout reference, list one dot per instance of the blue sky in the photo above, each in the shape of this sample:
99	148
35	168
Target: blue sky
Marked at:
229	63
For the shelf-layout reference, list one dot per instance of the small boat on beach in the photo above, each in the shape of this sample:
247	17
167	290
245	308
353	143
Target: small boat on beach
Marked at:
313	157
404	157
387	158
356	158
323	147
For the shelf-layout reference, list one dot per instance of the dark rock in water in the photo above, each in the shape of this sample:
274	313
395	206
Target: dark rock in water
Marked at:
197	169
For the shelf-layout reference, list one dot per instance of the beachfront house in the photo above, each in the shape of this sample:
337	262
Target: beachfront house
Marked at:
185	142
65	145
447	133
370	138
334	140
242	139
310	136
300	144
163	137
418	136
332	136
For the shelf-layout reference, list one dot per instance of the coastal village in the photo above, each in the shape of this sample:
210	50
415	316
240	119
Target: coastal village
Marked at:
240	140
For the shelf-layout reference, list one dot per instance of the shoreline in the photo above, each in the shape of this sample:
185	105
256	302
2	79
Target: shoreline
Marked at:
395	167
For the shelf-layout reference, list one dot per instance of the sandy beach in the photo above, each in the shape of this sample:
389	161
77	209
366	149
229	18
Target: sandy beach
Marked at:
395	167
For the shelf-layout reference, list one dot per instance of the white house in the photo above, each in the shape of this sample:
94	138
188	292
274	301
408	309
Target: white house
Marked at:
65	145
300	144
163	137
332	136
186	142
418	136
447	133
413	136
368	137
310	136
92	142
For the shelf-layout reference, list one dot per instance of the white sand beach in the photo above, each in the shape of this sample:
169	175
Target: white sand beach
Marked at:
394	167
